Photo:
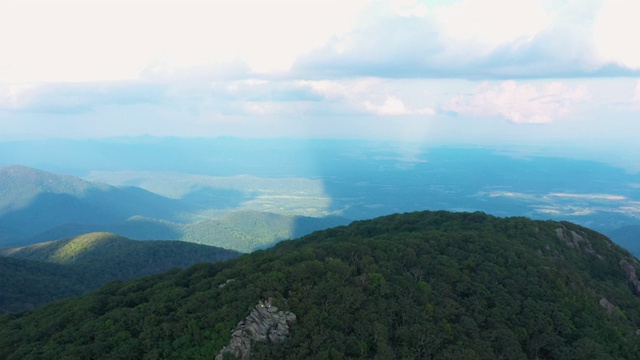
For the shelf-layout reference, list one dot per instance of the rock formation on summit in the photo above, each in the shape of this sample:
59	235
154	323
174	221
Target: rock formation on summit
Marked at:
265	323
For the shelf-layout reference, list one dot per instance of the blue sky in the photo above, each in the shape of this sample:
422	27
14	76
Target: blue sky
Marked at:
462	72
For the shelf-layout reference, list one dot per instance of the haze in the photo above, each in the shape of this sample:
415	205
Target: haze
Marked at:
547	74
355	108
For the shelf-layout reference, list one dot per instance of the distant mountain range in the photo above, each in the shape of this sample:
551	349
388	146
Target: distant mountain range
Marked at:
204	179
38	206
422	285
33	201
36	274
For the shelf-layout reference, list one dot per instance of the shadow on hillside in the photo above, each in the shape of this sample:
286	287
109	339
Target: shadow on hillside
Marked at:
306	225
302	225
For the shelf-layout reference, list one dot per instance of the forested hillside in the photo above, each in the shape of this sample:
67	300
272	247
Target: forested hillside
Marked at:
247	231
243	231
426	285
27	284
87	262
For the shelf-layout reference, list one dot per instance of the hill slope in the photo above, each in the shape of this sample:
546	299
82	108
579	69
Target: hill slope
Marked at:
136	228
420	285
32	201
28	284
244	231
247	231
35	275
119	257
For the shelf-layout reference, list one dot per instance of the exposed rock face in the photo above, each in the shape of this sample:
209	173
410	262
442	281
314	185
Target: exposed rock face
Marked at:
630	271
607	305
265	323
575	241
229	281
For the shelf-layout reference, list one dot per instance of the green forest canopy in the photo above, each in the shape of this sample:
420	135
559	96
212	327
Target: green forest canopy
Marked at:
419	285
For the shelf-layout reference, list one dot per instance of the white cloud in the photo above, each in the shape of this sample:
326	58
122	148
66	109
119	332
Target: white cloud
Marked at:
328	88
486	39
409	8
164	40
13	97
391	106
519	103
75	98
372	96
615	31
636	94
493	23
108	40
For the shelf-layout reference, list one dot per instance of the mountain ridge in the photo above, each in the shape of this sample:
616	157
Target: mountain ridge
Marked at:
35	200
103	248
41	206
89	261
416	285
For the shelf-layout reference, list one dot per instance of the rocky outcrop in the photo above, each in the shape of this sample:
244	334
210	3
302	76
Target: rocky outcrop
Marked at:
576	241
630	272
607	305
224	284
265	323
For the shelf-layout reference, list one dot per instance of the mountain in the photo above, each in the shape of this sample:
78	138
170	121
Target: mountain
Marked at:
28	284
119	257
135	227
243	231
247	231
38	206
33	201
34	275
356	179
424	285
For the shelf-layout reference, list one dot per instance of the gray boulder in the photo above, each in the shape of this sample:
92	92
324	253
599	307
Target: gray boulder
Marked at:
265	323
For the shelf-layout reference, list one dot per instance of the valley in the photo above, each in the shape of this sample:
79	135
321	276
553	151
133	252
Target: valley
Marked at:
72	234
289	188
413	179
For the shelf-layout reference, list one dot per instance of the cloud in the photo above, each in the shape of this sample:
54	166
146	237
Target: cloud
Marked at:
12	97
368	96
490	24
167	41
636	94
409	8
225	95
393	106
166	72
614	30
76	98
114	40
486	39
519	103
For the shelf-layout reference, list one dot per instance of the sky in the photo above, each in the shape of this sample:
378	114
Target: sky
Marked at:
528	73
